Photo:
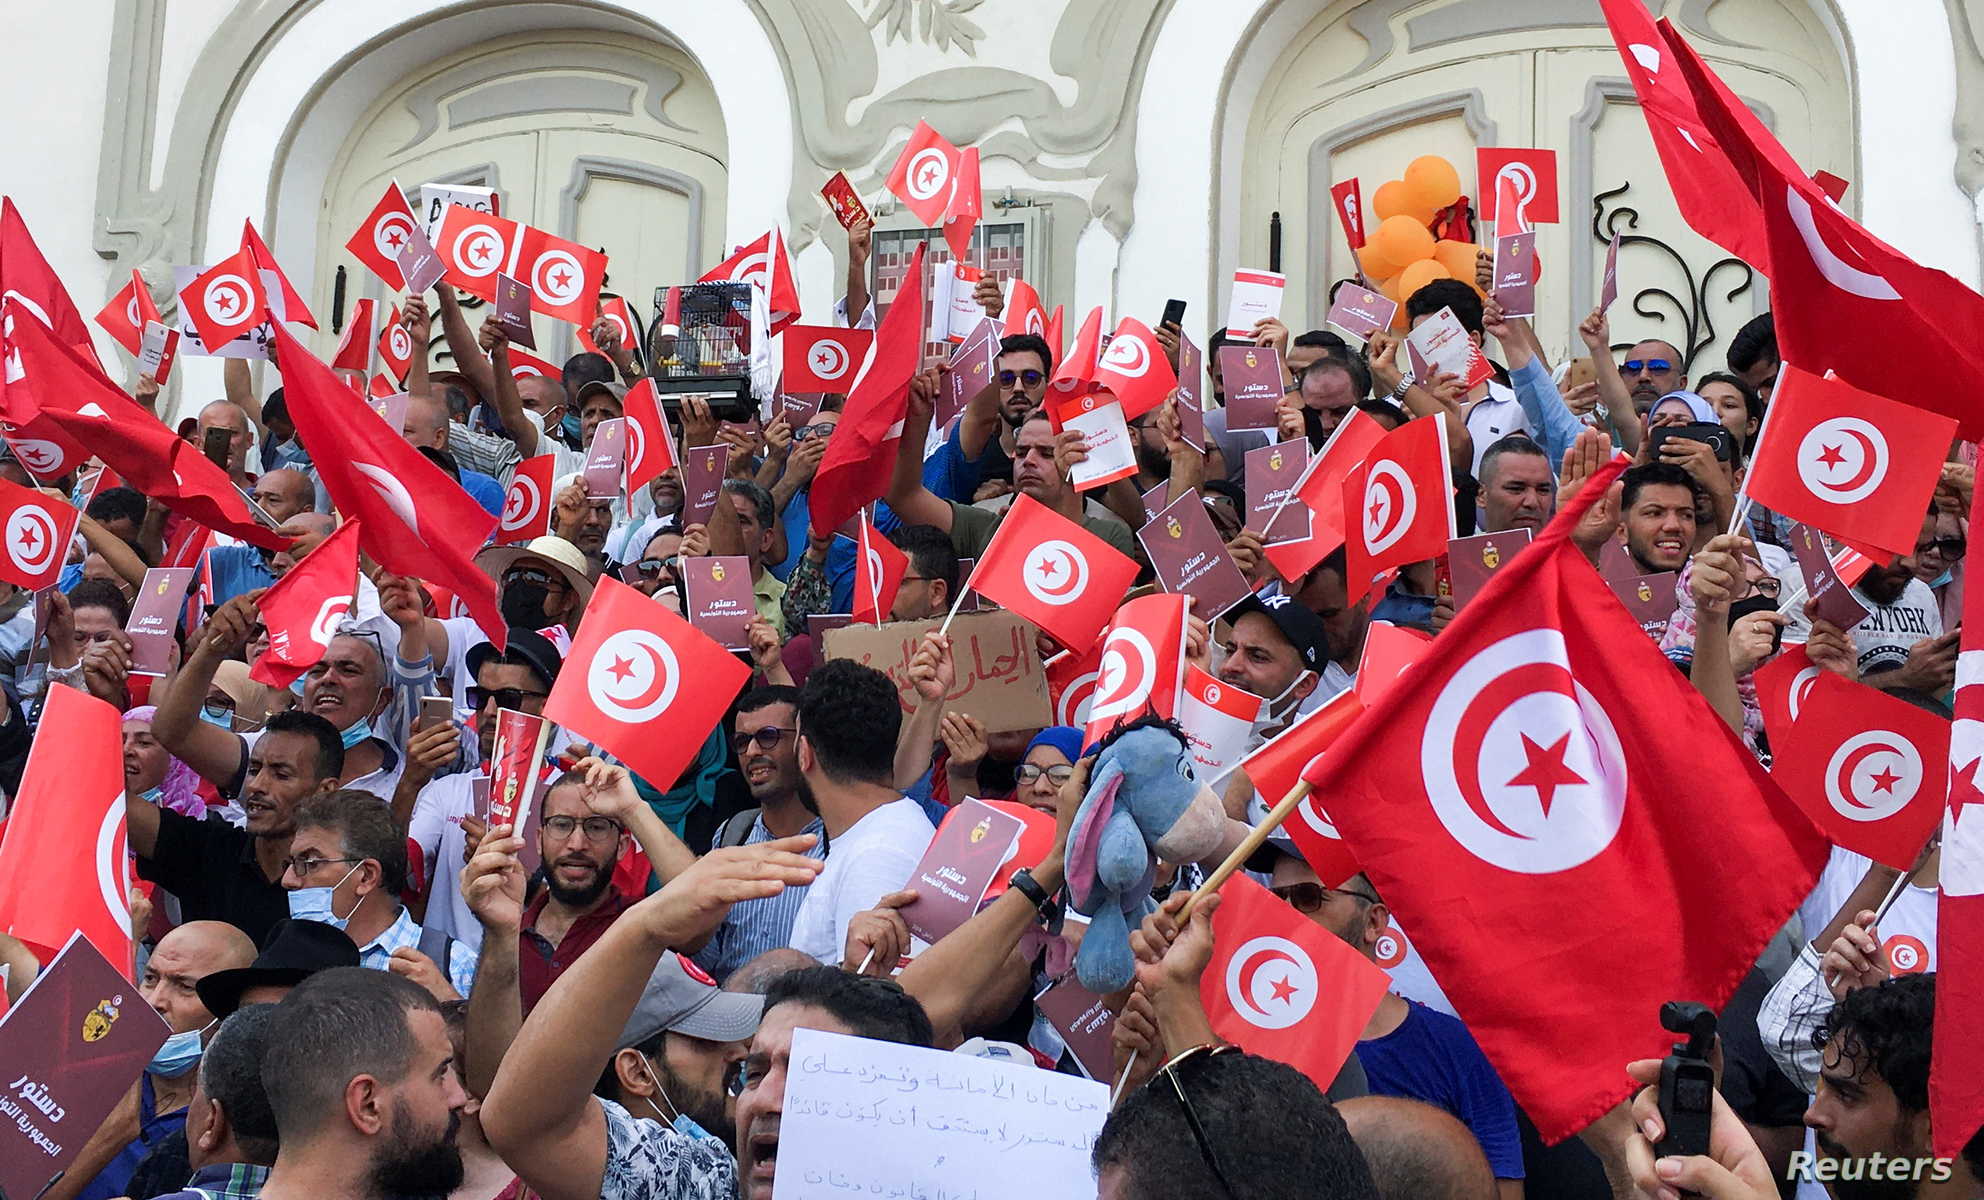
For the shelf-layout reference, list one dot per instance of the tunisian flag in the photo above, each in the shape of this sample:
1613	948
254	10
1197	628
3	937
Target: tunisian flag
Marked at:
305	607
1051	571
861	456
385	231
966	206
93	411
1024	313
650	443
293	308
878	571
1848	462
396	346
1277	766
1134	367
37	531
1321	488
64	865
1143	664
1843	299
822	358
1506	780
1956	1068
1870	770
354	352
926	173
635	668
765	264
1281	986
527	501
374	476
1398	503
125	316
564	277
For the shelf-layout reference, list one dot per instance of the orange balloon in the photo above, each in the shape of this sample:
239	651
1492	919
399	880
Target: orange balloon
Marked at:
1456	257
1391	200
1376	265
1431	182
1389	289
1419	274
1402	240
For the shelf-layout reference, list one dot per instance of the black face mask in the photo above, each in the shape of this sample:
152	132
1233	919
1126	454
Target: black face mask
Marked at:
522	605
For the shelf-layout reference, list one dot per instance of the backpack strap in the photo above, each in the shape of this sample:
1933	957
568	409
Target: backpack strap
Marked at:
737	828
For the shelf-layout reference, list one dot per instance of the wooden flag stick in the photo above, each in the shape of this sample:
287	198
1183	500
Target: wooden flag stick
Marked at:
951	615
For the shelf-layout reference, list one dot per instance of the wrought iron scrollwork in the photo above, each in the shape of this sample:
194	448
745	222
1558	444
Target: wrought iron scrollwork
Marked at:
1694	310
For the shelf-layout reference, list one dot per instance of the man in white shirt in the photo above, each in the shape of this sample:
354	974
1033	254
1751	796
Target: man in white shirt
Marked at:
849	717
1901	643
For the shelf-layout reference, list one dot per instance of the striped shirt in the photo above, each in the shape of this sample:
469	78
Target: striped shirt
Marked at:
755	926
404	933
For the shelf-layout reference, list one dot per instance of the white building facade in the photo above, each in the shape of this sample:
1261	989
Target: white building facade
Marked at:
1133	150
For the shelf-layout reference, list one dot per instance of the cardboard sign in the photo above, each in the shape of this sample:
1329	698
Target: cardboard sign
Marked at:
718	599
606	459
513	297
1651	599
1832	600
155	618
1273	472
844	201
1185	551
1253	380
1608	289
1444	346
435	199
158	347
1256	297
75	1043
971	601
1085	1023
1515	274
702	482
1471	560
971	370
1111	453
513	771
999	677
876	1118
958	867
1361	312
419	262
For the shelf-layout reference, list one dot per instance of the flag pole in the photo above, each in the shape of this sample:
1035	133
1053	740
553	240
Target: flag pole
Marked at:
955	605
1741	511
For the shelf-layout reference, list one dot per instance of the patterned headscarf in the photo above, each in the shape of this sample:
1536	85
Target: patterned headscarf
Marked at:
179	790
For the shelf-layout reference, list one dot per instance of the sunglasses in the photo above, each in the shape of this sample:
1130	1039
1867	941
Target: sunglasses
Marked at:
543	579
652	568
1311	897
1949	547
1171	1073
1028	377
511	698
764	739
1658	366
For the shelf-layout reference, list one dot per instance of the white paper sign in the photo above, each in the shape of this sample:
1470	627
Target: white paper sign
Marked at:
1256	297
157	347
1111	454
436	197
879	1119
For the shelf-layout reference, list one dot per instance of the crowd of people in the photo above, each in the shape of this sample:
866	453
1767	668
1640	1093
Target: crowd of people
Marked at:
372	991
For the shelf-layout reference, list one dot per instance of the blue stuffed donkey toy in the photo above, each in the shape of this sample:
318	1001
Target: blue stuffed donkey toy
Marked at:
1143	804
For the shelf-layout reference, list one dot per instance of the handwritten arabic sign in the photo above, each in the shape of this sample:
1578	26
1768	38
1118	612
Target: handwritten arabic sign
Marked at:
880	1119
999	677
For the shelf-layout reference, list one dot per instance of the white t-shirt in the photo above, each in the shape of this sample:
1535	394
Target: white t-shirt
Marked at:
436	829
1491	418
873	857
1908	931
1884	638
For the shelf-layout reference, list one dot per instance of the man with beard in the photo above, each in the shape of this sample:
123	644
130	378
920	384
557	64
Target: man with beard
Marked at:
683	1040
981	451
1901	643
1657	506
362	1081
222	873
767	747
1652	369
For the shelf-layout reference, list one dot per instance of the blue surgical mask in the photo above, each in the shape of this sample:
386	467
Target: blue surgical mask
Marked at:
151	795
569	424
179	1054
1940	580
315	904
681	1124
217	716
359	731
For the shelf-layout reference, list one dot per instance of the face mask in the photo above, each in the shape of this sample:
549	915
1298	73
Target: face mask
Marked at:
357	733
152	795
179	1054
569	425
222	718
681	1124
1269	715
522	605
315	904
1940	580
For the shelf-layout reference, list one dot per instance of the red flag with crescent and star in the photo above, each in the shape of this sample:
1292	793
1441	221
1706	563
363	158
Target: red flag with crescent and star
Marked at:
1869	769
1848	462
822	358
635	668
1071	677
125	316
878	571
527	501
764	264
1782	685
564	277
1134	367
1142	670
650	442
35	531
1283	987
1842	299
293	307
396	346
861	455
226	300
1397	503
925	174
1053	572
1956	1067
303	610
1278	764
373	475
1321	488
1508	777
385	232
1024	313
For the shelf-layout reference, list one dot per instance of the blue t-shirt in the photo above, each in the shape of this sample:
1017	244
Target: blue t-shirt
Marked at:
1431	1057
237	570
840	556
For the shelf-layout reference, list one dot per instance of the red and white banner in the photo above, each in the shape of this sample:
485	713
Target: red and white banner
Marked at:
305	608
1071	680
824	358
1074	372
618	314
35	531
965	207
1053	572
1143	664
1956	1068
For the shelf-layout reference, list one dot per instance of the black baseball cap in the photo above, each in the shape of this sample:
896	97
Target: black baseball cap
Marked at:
529	645
1302	628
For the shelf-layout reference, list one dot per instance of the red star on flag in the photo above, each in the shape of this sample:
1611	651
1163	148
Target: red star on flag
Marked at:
1885	780
1832	457
1284	989
1546	771
621	668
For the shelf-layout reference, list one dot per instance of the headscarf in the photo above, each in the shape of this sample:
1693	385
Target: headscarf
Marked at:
1065	738
697	785
179	790
1699	410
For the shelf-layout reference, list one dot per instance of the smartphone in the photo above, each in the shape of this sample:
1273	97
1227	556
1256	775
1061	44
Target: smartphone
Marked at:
1174	313
213	444
1582	372
1717	437
1743	608
436	710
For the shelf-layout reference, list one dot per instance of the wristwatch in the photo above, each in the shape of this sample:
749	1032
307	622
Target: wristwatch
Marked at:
1026	885
1404	386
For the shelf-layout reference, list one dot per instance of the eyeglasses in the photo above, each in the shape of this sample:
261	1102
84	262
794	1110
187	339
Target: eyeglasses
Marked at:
218	708
738	1075
808	432
308	866
1310	897
1170	1072
598	829
1948	547
765	739
504	697
543	579
1029	377
1656	366
1057	775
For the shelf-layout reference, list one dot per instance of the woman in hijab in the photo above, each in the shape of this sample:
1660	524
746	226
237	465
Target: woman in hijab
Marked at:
151	773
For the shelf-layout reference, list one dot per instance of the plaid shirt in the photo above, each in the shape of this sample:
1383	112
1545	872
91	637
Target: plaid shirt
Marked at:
223	1181
485	452
404	933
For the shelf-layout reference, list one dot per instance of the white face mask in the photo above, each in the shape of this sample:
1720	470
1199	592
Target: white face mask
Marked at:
1271	707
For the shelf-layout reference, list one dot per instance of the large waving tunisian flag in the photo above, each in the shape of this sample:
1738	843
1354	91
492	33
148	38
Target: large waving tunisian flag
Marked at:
1956	1068
1515	774
417	521
861	456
